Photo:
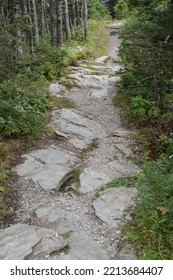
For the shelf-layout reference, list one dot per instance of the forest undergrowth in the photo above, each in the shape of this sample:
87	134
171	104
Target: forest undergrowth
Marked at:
145	96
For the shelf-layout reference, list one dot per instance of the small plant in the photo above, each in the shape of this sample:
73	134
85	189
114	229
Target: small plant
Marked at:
121	9
151	225
143	109
62	102
20	111
127	182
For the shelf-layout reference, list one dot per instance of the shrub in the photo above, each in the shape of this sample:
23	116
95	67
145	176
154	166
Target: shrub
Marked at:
52	60
151	227
97	10
121	9
20	111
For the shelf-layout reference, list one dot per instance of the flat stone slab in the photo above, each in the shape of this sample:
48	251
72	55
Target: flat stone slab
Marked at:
62	219
90	81
92	179
49	168
98	93
80	130
20	241
116	25
83	247
113	204
88	70
124	150
102	59
56	89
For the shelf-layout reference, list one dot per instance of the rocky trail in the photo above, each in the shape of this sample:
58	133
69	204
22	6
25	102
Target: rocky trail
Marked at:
63	212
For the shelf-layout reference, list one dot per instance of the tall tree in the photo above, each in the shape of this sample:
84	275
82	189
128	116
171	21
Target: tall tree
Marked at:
59	23
53	22
33	13
66	20
43	26
85	17
30	29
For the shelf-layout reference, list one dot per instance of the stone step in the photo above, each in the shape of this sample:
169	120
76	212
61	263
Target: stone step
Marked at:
21	241
49	168
80	130
113	204
91	179
82	247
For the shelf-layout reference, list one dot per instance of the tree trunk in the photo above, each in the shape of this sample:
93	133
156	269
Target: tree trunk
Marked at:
53	22
34	21
85	17
73	13
16	42
66	20
30	31
43	17
78	17
59	23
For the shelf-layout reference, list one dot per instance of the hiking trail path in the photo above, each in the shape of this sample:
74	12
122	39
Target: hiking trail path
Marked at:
58	218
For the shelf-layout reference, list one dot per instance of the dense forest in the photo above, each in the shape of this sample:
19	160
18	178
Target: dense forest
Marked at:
40	38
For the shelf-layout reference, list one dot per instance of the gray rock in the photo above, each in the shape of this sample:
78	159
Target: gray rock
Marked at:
124	150
127	253
113	204
19	241
62	219
94	67
80	130
51	177
56	89
90	81
86	69
116	25
49	168
113	81
121	133
97	93
101	59
54	156
92	179
82	247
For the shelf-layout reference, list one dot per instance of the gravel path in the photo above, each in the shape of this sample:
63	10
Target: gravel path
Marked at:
69	220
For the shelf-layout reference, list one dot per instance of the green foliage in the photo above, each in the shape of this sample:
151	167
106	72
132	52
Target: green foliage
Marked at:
145	89
62	102
145	94
127	182
51	59
143	109
97	10
20	111
121	9
151	226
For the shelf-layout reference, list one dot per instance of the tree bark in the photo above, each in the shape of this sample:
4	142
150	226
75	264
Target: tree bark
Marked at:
59	23
53	22
85	17
43	17
73	13
34	21
66	20
78	16
30	31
